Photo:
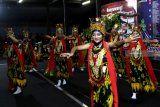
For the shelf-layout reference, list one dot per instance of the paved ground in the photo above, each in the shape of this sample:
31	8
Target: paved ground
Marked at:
41	92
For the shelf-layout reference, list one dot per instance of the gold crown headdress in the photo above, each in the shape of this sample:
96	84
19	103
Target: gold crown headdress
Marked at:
75	29
59	27
97	24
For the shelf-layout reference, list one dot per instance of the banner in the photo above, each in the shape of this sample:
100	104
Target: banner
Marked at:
156	18
119	7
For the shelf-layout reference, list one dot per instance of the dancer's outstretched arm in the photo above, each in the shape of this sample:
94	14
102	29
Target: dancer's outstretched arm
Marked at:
74	49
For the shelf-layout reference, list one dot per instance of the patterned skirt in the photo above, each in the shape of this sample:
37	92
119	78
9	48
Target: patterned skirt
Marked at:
16	75
61	67
140	80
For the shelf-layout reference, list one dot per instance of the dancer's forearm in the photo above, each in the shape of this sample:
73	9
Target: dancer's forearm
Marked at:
13	39
73	50
119	43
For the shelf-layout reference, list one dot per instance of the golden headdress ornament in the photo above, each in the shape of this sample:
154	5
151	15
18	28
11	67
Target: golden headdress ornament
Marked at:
97	24
136	28
59	28
116	26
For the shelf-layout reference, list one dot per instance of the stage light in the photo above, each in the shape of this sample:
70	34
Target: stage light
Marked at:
20	1
86	2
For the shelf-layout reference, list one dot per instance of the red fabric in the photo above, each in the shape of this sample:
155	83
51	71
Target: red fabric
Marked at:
20	56
69	62
148	63
80	54
89	73
81	57
132	44
33	56
146	58
112	73
51	62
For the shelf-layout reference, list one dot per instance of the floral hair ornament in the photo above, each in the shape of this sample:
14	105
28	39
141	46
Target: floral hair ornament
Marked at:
97	24
59	28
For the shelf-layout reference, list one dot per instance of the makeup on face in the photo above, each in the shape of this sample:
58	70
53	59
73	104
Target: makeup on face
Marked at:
97	36
137	34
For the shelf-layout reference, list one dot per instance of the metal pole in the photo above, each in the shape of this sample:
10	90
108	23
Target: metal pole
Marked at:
64	17
98	8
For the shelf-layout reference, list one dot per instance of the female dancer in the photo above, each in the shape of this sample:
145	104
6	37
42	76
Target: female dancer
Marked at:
16	75
101	70
139	68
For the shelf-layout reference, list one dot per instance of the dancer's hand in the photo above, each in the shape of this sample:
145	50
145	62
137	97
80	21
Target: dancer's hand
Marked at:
68	55
132	37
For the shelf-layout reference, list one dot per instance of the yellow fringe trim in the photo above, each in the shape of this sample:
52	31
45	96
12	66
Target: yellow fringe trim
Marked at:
19	82
136	86
121	71
66	75
151	87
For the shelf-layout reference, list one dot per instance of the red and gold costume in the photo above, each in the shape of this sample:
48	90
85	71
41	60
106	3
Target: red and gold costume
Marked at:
74	40
58	66
102	74
117	54
15	61
139	67
29	56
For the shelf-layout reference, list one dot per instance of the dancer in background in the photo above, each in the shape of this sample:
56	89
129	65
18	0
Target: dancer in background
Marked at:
101	70
38	52
139	68
61	67
16	75
117	52
74	40
30	62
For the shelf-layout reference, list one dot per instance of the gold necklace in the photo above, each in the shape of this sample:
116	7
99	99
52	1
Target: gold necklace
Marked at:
136	55
97	74
58	46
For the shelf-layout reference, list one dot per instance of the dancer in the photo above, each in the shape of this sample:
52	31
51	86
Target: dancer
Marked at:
61	67
74	40
139	68
16	75
30	62
117	52
101	70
